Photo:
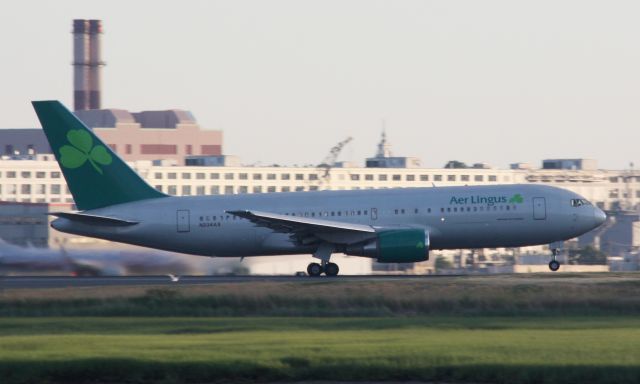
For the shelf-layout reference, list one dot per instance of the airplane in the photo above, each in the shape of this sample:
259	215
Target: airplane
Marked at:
15	259
388	225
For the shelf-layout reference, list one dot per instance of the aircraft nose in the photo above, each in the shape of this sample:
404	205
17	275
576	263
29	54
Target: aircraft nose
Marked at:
600	216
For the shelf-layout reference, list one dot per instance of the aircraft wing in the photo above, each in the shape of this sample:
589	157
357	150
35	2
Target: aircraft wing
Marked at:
93	219
306	230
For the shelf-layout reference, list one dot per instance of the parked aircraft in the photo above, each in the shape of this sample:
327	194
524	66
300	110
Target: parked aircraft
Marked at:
18	260
389	225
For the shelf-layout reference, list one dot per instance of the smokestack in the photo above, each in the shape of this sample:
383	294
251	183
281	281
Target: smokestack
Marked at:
95	64
80	65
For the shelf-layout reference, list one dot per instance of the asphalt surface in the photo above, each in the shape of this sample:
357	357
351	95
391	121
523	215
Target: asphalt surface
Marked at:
23	282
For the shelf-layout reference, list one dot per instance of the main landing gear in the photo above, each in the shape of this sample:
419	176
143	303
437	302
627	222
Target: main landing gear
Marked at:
554	264
329	269
323	253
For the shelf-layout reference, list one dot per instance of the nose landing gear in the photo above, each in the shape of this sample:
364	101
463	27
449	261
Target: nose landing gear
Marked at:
554	264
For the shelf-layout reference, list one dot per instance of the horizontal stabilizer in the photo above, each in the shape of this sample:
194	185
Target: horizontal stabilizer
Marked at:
93	219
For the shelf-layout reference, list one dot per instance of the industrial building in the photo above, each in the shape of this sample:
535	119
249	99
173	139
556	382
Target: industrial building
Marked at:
171	134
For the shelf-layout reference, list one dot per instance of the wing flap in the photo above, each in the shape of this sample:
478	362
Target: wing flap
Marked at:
291	223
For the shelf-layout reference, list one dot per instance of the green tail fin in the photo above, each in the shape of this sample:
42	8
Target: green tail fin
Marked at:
96	176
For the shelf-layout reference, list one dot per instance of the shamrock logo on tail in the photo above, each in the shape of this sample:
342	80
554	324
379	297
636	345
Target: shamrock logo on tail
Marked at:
517	198
82	149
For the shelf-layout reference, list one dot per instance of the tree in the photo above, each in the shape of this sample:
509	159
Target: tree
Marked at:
442	263
456	164
587	255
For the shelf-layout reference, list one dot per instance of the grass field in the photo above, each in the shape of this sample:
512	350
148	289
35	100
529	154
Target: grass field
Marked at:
452	349
497	329
510	295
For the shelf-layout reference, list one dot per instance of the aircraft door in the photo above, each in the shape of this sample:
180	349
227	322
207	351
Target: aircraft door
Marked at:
539	208
182	220
374	213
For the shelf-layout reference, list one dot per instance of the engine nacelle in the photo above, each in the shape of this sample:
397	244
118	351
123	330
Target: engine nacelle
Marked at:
407	245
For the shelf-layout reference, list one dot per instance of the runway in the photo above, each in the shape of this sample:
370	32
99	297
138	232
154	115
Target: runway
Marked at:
28	282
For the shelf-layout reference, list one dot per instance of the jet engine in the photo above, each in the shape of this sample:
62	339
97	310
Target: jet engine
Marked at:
407	245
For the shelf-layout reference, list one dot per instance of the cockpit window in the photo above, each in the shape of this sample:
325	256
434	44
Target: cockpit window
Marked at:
579	202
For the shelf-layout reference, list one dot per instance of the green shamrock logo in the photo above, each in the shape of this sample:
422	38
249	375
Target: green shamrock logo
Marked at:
420	245
517	198
82	149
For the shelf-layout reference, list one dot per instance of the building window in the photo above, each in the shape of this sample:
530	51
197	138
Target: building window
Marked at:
257	189
478	178
451	177
25	189
285	189
171	175
228	176
313	176
437	178
464	178
243	189
158	175
40	175
355	177
189	149
214	176
186	175
411	177
299	189
382	177
285	176
11	189
25	175
55	189
159	187
54	175
493	178
313	188
368	177
200	190
40	189
128	149
158	149
257	176
271	189
243	176
271	176
200	176
397	177
299	176
186	190
173	190
210	150
228	190
424	177
214	190
11	174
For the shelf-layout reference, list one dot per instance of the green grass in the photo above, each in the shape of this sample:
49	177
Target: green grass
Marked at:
528	295
437	348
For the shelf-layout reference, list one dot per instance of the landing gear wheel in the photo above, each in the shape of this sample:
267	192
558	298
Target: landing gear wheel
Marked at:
331	269
554	265
314	270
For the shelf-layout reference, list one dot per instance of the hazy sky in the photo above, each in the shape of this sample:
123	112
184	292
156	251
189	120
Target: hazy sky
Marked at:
476	81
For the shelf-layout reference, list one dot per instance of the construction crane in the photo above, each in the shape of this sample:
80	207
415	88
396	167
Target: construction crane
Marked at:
324	168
